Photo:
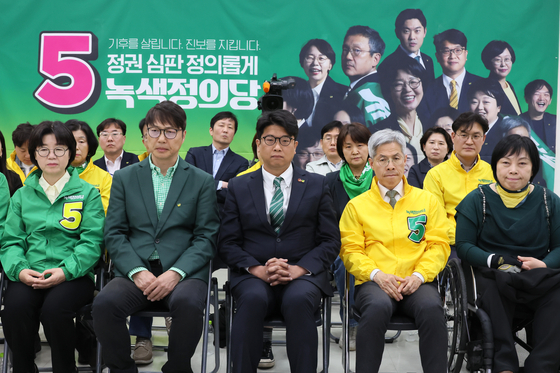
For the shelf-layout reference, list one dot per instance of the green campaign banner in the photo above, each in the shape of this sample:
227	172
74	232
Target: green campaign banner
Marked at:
94	60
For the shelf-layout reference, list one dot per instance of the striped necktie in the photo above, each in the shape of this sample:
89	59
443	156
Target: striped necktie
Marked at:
276	210
392	200
454	97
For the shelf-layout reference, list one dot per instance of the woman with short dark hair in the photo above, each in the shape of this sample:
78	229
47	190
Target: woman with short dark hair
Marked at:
436	145
509	232
51	243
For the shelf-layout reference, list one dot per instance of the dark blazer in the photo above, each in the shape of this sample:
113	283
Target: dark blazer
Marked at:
494	135
231	165
328	104
127	160
373	78
339	195
399	54
507	107
309	236
549	129
418	172
435	94
184	235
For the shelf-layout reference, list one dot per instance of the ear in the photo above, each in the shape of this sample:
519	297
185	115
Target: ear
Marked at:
211	131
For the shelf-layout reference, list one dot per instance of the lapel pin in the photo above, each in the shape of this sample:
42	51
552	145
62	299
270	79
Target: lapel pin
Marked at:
178	205
301	180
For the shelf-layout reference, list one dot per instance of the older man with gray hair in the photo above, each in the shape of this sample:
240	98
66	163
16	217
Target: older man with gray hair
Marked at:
394	241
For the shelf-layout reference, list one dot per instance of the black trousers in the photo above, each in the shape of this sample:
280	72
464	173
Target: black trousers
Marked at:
545	356
55	308
376	308
121	298
255	300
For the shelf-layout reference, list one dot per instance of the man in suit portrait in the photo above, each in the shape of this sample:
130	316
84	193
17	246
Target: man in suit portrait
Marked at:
112	136
279	235
410	28
361	52
451	88
538	95
160	232
217	158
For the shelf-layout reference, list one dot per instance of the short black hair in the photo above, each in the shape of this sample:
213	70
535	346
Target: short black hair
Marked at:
466	120
358	133
490	87
444	111
353	111
61	132
407	14
299	97
141	125
107	123
22	133
77	125
452	36
413	150
433	130
282	118
322	45
534	86
167	112
493	49
223	115
388	73
514	145
376	44
330	126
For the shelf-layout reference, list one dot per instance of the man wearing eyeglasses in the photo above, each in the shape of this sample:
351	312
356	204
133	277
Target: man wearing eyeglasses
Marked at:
112	136
450	89
279	235
160	232
361	52
452	180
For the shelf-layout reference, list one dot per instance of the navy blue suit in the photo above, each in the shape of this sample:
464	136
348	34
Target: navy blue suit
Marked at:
494	135
435	95
549	129
399	54
418	172
232	164
127	160
309	237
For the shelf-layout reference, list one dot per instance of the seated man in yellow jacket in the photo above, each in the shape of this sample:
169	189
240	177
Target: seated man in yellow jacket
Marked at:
19	161
452	180
394	241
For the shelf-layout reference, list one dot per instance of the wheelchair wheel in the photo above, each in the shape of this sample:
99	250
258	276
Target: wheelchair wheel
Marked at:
454	297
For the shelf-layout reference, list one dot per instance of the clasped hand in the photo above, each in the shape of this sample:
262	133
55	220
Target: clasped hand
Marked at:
277	271
156	288
49	278
396	286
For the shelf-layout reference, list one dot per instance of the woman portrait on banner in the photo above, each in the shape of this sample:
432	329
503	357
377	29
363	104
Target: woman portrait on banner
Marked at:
353	179
317	59
401	84
509	232
436	145
498	57
51	243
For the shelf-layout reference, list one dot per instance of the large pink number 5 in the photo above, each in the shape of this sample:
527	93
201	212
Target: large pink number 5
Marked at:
72	85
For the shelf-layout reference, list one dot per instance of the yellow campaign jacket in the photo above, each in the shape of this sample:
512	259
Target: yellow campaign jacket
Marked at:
412	237
253	168
450	183
12	165
143	156
101	180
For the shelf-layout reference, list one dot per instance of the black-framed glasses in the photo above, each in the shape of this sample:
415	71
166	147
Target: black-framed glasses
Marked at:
58	151
271	140
155	133
446	52
412	83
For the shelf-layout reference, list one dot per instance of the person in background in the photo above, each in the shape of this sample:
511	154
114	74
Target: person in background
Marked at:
444	118
498	57
12	178
87	144
112	136
20	161
331	161
353	179
538	96
144	131
436	146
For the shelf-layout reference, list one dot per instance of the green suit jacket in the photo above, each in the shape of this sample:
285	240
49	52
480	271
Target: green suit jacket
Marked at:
185	234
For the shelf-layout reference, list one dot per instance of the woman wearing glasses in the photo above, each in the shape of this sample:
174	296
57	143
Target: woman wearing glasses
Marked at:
498	57
401	84
51	243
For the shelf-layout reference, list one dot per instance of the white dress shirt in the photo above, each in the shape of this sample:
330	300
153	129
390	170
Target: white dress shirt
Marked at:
459	83
114	166
285	186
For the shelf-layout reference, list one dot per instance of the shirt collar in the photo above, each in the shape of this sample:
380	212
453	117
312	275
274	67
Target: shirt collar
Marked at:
156	169
459	80
411	55
58	185
287	176
118	159
353	84
399	188
214	150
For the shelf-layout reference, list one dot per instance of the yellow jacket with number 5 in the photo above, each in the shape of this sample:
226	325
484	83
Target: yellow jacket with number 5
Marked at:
66	234
412	237
100	179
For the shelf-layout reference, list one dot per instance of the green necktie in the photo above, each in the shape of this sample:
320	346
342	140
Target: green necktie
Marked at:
277	206
392	200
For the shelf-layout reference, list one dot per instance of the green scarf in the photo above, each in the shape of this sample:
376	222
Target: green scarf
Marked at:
81	168
354	187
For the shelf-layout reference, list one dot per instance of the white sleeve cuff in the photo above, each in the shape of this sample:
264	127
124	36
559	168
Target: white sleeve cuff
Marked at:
219	185
419	276
373	273
489	260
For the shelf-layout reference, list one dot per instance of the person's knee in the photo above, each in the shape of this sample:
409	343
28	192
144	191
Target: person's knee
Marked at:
254	300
